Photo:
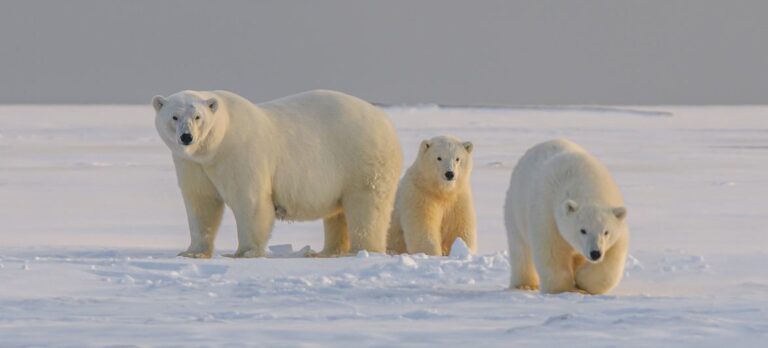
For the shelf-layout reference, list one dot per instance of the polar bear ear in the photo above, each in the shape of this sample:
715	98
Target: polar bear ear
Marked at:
468	146
157	102
620	212
570	207
425	144
213	104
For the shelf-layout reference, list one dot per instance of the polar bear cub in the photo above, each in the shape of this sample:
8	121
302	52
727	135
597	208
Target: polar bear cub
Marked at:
434	200
315	155
566	221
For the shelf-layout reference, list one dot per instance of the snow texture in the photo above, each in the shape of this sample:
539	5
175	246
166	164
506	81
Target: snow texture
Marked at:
92	221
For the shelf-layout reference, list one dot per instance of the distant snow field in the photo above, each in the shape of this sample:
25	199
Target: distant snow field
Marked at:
92	220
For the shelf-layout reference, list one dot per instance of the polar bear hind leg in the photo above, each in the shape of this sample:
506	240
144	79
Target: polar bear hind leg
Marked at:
336	236
368	214
395	237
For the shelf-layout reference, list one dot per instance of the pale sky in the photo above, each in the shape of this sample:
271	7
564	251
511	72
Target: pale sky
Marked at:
395	51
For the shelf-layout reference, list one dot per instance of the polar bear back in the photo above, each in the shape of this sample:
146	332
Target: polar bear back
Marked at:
327	142
323	128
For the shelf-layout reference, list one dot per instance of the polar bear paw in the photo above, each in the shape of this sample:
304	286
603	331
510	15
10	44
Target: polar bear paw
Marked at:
327	254
195	254
247	254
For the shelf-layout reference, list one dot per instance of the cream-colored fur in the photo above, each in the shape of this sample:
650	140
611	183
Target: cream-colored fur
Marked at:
558	190
315	155
430	211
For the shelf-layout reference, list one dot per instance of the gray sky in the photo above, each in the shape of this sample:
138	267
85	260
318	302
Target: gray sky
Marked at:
393	51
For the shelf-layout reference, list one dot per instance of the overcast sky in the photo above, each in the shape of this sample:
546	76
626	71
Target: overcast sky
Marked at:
390	51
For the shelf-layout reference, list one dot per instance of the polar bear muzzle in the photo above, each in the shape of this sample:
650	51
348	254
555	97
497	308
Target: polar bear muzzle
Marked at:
186	139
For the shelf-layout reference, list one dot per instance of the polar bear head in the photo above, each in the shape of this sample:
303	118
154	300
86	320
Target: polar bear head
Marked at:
589	228
185	121
444	162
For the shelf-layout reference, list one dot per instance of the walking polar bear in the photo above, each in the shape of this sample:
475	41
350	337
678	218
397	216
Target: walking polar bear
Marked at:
434	200
315	155
566	221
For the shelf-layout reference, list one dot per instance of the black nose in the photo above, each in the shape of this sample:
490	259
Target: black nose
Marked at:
186	138
449	175
595	255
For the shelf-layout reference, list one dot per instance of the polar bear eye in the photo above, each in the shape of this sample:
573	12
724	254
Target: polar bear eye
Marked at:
605	233
583	231
457	159
175	118
197	117
439	158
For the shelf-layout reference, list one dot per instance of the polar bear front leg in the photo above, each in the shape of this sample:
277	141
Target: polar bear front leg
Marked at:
599	278
204	208
552	257
555	273
522	271
204	216
421	228
460	221
254	226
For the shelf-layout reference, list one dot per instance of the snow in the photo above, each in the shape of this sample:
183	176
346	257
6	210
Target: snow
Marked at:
460	250
92	220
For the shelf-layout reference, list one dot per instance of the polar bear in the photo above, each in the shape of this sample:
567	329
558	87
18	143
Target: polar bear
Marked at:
566	221
314	155
434	200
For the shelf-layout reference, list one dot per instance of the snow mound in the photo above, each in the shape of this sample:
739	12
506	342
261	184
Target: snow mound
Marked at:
286	251
460	250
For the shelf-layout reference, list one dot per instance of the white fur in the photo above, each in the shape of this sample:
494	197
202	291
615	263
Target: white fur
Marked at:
315	155
556	190
430	211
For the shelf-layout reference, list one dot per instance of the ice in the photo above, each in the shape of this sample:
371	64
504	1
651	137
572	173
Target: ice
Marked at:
92	220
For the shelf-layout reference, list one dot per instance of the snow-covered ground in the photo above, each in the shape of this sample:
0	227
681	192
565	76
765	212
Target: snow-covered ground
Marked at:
91	220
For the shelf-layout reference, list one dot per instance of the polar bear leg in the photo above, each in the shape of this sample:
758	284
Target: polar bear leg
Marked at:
254	225
522	271
395	238
599	278
204	208
555	273
421	228
336	236
368	215
552	258
460	222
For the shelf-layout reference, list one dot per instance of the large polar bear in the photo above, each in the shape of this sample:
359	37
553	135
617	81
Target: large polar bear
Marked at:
565	220
315	155
434	201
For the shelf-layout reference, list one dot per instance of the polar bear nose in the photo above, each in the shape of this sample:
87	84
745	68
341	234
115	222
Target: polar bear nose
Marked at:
449	175
186	138
595	255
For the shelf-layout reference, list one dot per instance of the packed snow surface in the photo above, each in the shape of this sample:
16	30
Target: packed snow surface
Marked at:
92	220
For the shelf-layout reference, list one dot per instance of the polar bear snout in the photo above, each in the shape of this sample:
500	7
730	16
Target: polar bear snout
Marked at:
186	139
595	255
449	175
